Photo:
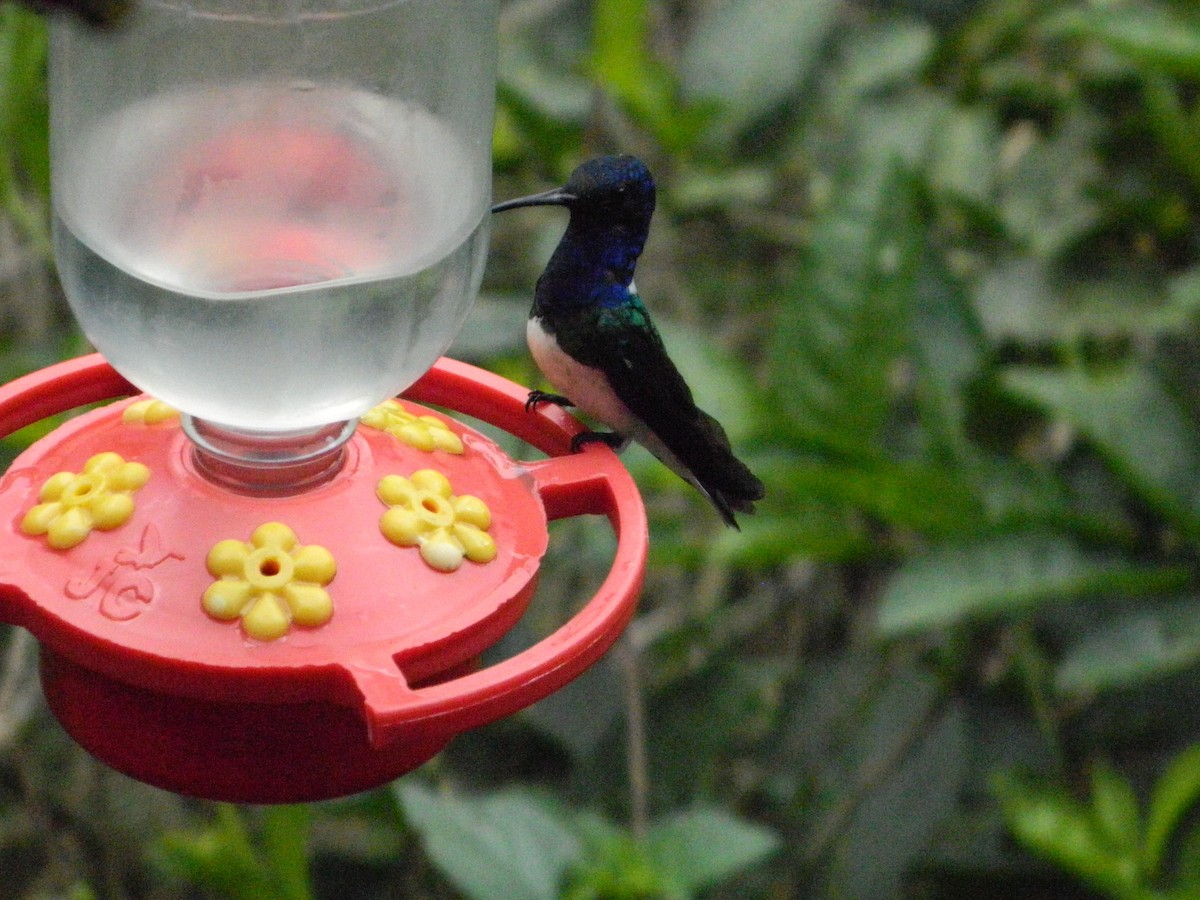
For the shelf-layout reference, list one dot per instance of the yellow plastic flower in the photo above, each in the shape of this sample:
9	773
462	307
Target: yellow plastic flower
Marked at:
424	512
422	432
149	411
101	496
270	582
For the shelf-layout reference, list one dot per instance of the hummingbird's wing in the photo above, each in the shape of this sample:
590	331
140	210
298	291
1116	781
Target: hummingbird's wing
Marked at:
624	344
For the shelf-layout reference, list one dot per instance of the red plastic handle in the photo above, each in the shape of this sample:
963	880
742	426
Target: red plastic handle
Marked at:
576	485
57	389
589	483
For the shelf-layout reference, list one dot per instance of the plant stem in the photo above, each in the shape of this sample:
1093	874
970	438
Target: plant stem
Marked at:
629	661
1031	667
16	686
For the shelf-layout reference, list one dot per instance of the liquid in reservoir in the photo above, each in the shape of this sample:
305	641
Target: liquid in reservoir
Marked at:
271	257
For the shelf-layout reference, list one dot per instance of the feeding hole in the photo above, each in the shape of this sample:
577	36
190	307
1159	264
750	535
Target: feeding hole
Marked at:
269	568
82	489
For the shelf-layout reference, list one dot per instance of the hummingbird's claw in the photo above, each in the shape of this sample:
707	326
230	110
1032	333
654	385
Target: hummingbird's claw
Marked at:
613	439
537	398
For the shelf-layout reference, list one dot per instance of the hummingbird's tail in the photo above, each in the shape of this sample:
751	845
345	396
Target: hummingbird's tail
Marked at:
707	462
724	478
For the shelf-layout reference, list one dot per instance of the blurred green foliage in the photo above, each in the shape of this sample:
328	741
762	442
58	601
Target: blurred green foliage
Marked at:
936	265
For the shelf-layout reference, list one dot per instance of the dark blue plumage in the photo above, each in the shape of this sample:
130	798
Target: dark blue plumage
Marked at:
594	341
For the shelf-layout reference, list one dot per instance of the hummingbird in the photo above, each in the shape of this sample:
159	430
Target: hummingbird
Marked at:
590	334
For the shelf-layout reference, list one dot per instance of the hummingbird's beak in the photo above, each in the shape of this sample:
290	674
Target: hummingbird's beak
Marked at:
556	197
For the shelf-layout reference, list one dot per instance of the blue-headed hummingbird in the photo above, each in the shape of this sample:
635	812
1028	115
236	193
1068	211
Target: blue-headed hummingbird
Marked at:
594	341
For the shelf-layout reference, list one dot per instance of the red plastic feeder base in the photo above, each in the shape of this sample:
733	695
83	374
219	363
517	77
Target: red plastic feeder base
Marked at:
243	752
286	649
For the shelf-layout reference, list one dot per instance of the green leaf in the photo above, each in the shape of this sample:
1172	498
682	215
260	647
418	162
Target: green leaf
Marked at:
285	846
221	858
1055	826
808	529
622	61
1188	869
1135	646
1139	428
508	844
541	89
883	56
948	352
1017	298
1176	791
1171	122
825	509
621	56
614	866
1045	194
24	122
1115	810
750	55
701	848
540	109
908	720
965	154
1032	300
903	127
1004	574
837	339
1146	34
929	499
698	190
1182	302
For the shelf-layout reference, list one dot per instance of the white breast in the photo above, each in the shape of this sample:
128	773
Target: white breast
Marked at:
585	386
589	390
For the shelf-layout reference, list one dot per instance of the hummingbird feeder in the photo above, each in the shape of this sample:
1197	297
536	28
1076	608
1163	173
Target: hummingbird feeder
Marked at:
260	575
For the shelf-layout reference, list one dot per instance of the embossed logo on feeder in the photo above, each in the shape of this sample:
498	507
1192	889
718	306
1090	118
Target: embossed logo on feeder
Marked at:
124	592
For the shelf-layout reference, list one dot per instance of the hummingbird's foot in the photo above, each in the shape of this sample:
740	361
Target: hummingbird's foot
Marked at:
536	398
614	439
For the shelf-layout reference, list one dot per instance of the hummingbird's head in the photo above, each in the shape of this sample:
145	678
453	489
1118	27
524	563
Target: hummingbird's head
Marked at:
614	189
619	187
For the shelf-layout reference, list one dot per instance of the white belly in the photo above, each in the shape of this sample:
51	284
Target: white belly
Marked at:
584	386
589	390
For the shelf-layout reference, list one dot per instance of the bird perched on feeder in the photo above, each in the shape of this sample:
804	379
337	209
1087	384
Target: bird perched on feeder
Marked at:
593	339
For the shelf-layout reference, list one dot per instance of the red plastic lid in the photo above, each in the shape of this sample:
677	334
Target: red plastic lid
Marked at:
126	602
